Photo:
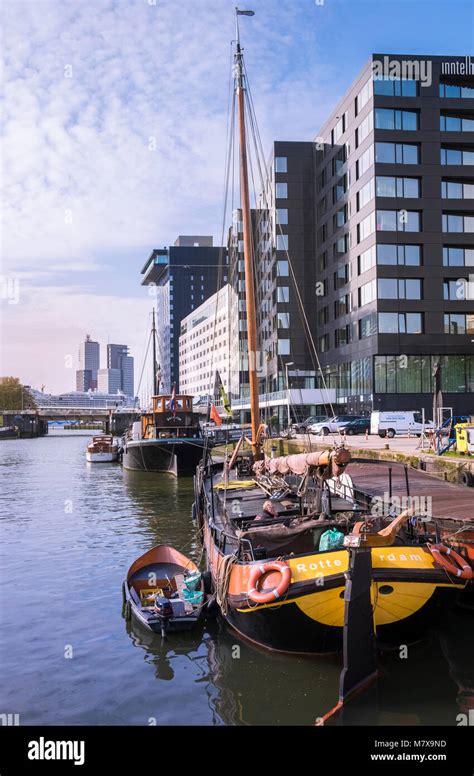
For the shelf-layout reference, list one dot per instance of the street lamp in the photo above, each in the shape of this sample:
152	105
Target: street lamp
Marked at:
289	363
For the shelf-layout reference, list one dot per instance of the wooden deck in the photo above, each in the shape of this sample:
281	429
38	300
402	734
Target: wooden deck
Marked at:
455	502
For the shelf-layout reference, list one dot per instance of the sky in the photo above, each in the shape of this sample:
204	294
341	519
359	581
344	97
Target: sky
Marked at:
113	141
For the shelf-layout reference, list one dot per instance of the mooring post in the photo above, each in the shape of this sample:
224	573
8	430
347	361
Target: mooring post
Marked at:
359	650
359	653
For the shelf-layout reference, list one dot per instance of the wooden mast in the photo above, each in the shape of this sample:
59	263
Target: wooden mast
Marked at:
248	252
156	389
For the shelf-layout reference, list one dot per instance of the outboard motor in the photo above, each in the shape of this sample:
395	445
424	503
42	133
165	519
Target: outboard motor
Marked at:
164	611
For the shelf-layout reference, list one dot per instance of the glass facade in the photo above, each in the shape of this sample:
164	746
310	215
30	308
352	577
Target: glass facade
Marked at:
414	374
389	118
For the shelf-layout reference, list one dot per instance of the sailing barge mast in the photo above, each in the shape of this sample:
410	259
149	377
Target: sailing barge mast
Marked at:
240	89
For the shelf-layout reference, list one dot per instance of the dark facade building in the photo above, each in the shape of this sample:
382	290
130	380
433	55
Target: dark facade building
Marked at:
395	236
284	239
182	277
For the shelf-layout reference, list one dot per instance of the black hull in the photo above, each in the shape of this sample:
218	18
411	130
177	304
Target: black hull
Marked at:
292	631
177	457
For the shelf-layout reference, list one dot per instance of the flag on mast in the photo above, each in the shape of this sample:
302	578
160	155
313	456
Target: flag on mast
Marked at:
245	13
219	390
215	415
172	401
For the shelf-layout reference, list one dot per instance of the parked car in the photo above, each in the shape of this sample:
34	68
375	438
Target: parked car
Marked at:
302	427
359	426
332	425
396	423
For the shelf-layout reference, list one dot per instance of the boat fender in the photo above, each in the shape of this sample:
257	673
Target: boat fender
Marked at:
257	573
451	561
206	578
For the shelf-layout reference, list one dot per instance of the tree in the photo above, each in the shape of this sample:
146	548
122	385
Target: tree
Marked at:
14	395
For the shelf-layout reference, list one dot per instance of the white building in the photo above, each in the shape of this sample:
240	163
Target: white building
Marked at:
204	346
109	380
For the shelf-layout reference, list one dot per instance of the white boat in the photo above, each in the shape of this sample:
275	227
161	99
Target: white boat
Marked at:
102	449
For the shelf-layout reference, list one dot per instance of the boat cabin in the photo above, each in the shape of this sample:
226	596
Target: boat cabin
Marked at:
165	421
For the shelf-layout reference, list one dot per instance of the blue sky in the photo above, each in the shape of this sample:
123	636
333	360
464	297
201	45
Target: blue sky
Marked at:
114	139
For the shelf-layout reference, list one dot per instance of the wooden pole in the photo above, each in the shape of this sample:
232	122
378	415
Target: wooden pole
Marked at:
248	261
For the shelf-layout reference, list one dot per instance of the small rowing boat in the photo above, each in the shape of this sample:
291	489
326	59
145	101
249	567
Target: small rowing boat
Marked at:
102	449
164	591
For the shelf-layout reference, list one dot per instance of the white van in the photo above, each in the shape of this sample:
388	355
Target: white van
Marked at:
391	423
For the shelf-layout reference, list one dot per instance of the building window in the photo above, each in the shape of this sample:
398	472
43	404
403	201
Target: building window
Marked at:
457	190
282	215
364	129
398	221
365	162
281	190
283	270
283	320
341	277
364	96
397	153
453	90
455	256
283	294
342	336
400	323
340	246
282	242
366	227
365	194
283	347
399	288
455	290
281	164
368	326
324	343
458	323
367	293
456	156
403	255
340	218
395	87
339	189
449	123
457	222
322	262
366	260
342	306
388	186
339	161
323	316
388	118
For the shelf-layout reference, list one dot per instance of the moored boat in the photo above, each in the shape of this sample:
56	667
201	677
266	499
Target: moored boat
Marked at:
167	439
278	532
278	580
102	449
164	591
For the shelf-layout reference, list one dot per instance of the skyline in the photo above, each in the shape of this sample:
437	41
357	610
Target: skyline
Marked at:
92	101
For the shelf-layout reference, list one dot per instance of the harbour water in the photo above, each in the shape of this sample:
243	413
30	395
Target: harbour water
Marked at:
69	531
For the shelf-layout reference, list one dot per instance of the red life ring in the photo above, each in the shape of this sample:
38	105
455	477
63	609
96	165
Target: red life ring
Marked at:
271	595
458	568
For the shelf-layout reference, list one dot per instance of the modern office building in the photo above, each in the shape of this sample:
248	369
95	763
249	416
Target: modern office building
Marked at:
395	236
182	277
118	358
89	361
284	236
83	380
204	346
110	381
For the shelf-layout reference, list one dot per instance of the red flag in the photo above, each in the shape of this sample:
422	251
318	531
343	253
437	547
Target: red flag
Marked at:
215	415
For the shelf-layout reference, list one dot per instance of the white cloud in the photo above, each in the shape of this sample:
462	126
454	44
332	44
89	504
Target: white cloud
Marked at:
80	178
